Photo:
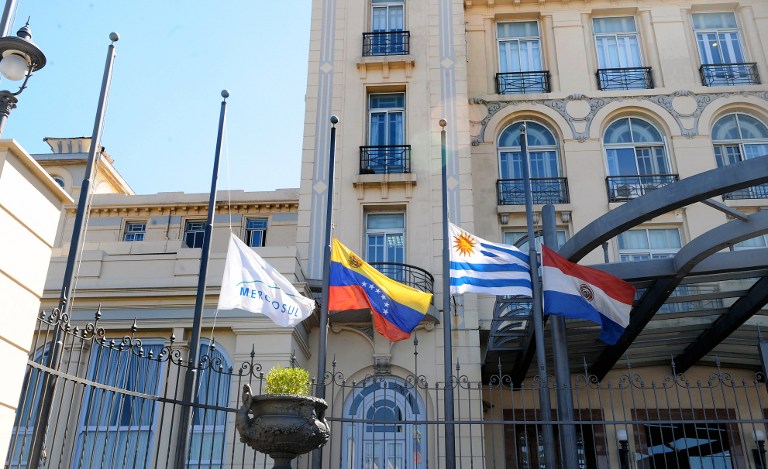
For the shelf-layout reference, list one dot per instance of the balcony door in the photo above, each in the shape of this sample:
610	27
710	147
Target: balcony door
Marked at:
542	151
387	16
386	132
717	37
617	42
519	47
634	147
385	237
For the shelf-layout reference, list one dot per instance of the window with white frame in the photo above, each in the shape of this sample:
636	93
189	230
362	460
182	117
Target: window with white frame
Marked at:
717	38
616	41
519	46
757	242
194	233
387	15
650	243
391	435
542	151
634	146
386	151
385	237
256	232
208	433
738	137
117	429
513	237
135	231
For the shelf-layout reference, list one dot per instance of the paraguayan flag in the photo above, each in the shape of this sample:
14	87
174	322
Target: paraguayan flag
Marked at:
480	266
252	285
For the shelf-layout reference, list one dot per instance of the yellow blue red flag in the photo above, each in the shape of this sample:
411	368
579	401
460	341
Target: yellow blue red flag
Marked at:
396	308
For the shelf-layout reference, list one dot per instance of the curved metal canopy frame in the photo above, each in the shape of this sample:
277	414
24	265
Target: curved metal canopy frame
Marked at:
666	274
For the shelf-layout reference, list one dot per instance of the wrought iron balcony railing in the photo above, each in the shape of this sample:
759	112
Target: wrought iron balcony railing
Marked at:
623	188
386	43
543	190
756	192
729	74
633	78
385	159
522	82
409	275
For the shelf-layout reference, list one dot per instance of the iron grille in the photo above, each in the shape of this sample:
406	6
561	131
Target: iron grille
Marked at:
410	275
386	43
385	159
623	188
756	192
729	74
633	78
543	190
522	82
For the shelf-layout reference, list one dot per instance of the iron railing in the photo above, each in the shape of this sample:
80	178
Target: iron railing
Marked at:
117	404
522	82
756	192
631	78
386	43
410	275
385	159
729	74
623	188
543	190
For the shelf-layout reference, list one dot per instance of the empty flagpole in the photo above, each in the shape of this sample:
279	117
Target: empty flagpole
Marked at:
190	382
317	455
538	318
450	441
562	369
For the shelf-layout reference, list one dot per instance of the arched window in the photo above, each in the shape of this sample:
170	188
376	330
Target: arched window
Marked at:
208	433
391	435
546	184
636	158
738	137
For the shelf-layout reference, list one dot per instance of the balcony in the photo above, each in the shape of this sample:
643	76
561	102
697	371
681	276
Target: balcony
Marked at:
406	274
522	82
634	78
386	43
757	192
623	188
385	159
729	74
543	190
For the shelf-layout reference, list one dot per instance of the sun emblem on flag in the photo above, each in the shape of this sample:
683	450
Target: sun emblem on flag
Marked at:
354	261
464	243
586	292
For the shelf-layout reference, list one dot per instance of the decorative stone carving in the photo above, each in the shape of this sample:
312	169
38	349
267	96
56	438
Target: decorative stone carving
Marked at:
684	106
283	426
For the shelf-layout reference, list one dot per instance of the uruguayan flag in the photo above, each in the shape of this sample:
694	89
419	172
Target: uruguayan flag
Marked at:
479	266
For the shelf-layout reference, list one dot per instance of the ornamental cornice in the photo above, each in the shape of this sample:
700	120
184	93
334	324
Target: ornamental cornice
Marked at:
682	105
190	208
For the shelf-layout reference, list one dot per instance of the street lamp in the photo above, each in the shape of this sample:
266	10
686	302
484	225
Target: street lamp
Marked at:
19	57
622	437
759	453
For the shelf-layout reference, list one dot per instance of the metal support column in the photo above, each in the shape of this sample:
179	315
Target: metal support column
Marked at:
563	387
538	318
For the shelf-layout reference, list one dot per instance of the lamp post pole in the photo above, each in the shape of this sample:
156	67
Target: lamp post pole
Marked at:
56	344
8	11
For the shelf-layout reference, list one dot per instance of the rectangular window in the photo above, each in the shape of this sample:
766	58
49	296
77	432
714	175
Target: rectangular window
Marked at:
519	47
135	231
256	232
117	429
717	37
194	234
385	237
520	61
388	35
617	42
386	151
653	243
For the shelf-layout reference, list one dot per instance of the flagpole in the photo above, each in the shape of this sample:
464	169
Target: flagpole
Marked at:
190	383
450	438
317	455
538	317
562	370
68	282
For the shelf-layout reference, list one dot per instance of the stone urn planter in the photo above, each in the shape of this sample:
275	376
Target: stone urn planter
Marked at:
283	426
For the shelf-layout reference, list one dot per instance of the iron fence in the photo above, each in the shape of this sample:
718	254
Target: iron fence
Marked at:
623	188
729	74
385	159
543	191
523	82
632	78
386	43
117	404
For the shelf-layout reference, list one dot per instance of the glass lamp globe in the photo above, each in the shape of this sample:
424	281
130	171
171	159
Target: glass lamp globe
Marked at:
14	67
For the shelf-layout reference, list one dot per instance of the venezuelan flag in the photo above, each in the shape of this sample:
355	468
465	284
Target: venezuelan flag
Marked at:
396	308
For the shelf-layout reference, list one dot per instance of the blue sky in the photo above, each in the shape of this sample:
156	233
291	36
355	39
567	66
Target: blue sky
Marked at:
173	59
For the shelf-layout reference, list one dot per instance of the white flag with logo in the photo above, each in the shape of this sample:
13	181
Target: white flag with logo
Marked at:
252	285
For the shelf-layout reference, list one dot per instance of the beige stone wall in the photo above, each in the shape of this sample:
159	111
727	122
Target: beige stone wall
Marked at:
30	206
